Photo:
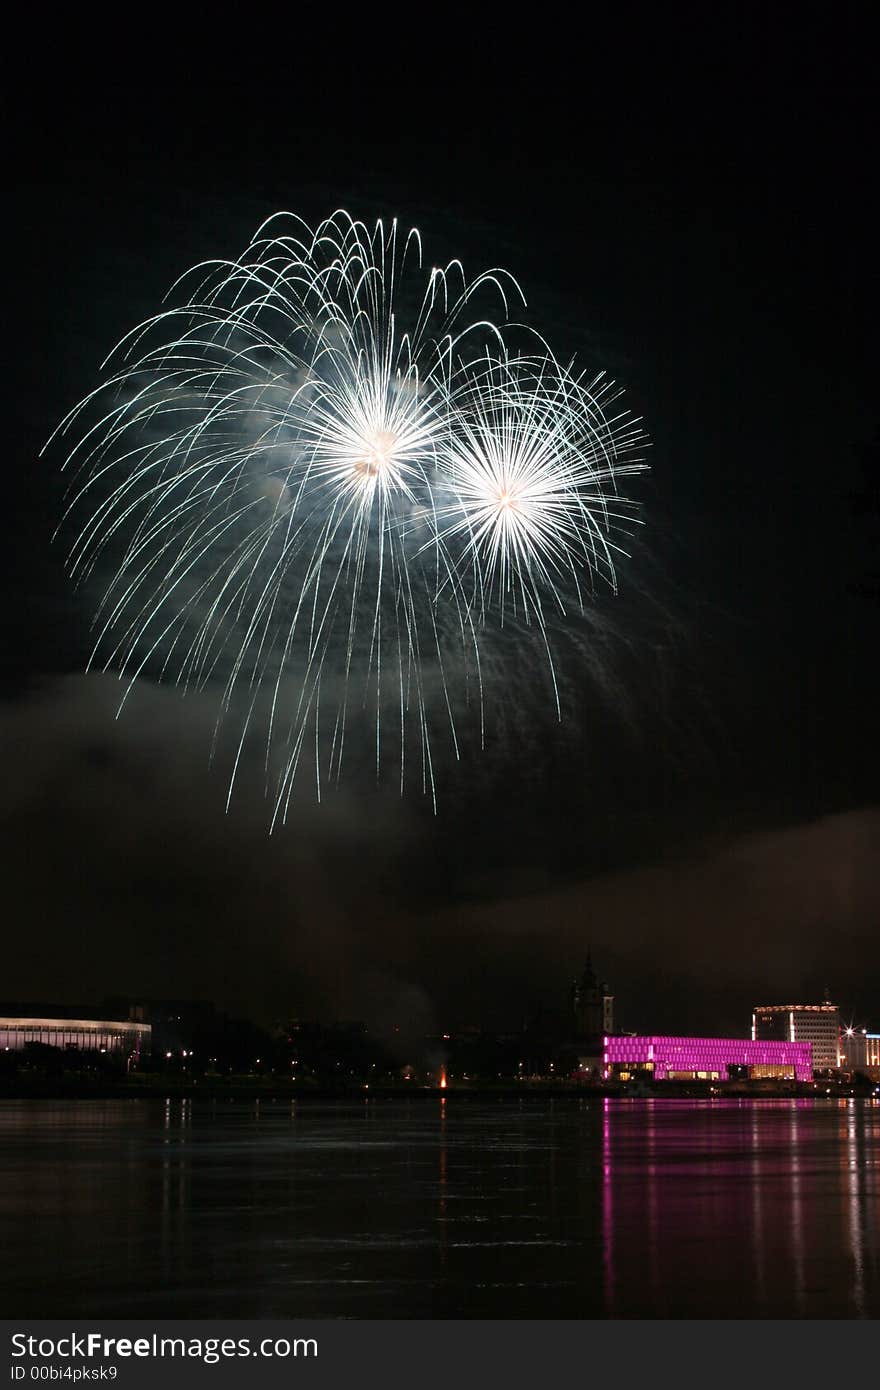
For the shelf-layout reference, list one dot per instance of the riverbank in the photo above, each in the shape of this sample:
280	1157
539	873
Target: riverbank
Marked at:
275	1090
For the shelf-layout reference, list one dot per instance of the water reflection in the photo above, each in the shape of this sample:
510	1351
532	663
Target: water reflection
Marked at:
862	1222
449	1207
730	1208
441	1186
758	1191
607	1211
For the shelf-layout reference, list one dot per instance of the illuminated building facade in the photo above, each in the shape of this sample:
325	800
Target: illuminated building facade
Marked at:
80	1034
705	1059
818	1024
860	1051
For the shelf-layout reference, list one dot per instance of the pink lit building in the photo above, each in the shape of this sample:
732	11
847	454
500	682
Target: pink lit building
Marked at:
705	1059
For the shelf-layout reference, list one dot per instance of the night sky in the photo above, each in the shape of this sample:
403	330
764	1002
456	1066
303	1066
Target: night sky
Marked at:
684	207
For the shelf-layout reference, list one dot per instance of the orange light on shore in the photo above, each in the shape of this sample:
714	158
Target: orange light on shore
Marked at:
442	1078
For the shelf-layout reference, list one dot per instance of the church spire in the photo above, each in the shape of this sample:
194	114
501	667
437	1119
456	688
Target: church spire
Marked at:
589	980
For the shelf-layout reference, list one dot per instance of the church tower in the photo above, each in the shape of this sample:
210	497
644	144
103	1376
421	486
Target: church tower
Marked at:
592	1004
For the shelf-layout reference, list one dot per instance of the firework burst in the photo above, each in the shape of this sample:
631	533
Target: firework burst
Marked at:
531	470
318	479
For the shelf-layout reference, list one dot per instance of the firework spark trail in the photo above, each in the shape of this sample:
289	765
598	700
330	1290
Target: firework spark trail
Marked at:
320	474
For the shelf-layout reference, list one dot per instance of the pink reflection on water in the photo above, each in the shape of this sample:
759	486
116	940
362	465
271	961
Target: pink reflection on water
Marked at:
607	1212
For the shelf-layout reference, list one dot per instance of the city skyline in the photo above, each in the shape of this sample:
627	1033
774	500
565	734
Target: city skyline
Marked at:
584	1009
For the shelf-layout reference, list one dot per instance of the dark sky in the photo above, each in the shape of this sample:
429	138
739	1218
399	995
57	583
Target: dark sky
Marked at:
685	204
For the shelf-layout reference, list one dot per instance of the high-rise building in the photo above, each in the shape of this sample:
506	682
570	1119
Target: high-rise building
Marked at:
592	1004
818	1024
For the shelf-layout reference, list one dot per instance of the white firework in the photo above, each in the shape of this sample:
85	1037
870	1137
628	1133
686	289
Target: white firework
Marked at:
531	475
318	479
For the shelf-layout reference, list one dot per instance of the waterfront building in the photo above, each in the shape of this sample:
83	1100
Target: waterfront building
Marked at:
860	1052
818	1024
628	1057
129	1038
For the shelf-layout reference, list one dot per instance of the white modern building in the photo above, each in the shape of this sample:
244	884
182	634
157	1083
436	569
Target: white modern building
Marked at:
818	1024
80	1034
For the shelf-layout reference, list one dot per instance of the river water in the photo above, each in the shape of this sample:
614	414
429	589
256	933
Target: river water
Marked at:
462	1208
